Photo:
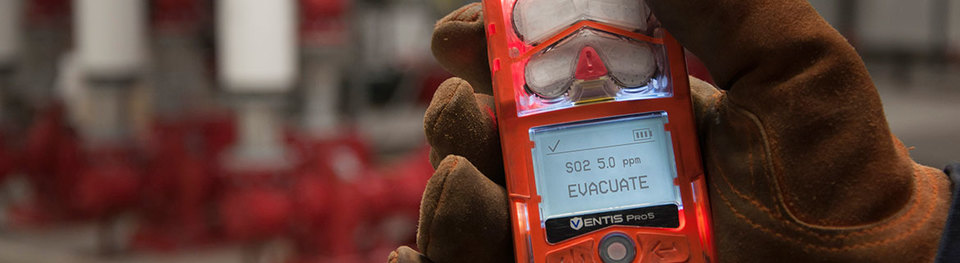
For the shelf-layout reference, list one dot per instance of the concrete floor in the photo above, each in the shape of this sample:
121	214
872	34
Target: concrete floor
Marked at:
77	244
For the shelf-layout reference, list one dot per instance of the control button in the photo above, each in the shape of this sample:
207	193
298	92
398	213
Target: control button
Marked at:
579	253
617	248
617	251
665	248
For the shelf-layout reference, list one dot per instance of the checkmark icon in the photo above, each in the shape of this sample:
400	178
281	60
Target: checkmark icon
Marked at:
554	148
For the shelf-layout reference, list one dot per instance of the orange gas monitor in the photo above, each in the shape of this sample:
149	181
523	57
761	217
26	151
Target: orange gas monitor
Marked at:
598	135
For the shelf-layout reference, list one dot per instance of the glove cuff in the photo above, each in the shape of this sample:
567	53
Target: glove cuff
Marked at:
950	240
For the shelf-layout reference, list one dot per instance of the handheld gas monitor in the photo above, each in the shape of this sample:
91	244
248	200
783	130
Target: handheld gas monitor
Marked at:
597	130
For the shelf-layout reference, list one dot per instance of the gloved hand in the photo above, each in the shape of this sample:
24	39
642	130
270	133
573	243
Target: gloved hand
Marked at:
801	165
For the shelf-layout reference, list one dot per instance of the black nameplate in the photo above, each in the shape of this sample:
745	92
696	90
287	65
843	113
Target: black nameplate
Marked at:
663	216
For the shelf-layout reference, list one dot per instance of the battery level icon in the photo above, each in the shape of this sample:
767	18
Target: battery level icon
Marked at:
643	135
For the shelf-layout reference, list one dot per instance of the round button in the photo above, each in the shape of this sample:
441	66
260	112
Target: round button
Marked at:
617	248
617	251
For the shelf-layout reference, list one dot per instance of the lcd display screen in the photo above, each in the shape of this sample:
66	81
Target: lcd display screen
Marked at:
604	165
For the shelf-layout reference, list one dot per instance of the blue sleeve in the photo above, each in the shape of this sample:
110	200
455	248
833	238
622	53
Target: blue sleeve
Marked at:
950	241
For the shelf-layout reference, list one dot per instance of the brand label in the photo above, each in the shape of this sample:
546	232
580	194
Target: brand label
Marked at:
663	216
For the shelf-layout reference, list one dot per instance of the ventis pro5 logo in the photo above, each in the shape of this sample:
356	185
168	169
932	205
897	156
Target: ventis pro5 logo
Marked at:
576	223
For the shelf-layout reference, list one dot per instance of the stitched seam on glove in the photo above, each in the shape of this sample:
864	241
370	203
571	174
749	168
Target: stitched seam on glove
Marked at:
807	228
863	244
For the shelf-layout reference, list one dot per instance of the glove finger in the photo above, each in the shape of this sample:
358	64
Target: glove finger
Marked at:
464	217
459	44
462	123
406	254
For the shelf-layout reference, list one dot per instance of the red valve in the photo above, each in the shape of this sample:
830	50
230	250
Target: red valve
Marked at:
255	213
177	190
324	22
318	9
177	15
49	146
10	161
106	186
256	203
47	12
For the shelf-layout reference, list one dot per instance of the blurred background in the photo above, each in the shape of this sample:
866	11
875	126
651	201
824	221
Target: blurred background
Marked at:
291	130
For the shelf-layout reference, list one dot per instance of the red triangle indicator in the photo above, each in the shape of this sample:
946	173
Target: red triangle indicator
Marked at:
589	65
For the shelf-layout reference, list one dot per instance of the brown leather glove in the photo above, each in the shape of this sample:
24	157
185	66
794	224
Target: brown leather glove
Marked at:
800	163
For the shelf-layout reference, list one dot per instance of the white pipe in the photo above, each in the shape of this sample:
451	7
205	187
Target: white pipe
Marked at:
257	41
259	140
109	123
257	59
10	17
111	40
322	90
111	37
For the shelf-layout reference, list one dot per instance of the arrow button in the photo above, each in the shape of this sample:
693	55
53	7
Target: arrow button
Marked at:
665	248
665	252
